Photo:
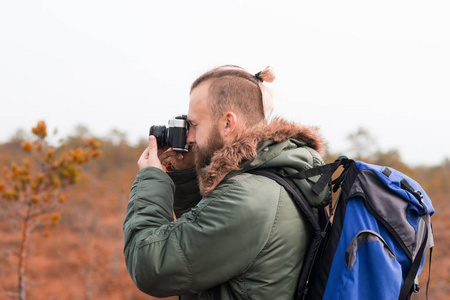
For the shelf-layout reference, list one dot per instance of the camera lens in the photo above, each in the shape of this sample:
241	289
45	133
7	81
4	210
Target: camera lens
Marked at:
160	132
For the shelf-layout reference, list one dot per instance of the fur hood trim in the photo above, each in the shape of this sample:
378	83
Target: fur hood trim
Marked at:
245	146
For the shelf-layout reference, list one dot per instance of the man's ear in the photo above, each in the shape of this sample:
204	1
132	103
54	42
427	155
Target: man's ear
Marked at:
229	123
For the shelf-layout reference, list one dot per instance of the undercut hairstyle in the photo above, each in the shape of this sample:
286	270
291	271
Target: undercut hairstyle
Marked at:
234	89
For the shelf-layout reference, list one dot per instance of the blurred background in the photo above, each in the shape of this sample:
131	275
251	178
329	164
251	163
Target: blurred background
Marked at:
372	76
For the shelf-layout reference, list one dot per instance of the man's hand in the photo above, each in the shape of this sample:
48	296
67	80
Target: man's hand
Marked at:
149	157
159	158
179	160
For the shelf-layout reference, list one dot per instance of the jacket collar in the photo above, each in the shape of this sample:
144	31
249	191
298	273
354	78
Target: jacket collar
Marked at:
244	147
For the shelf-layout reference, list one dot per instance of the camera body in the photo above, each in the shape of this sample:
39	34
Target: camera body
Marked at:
174	135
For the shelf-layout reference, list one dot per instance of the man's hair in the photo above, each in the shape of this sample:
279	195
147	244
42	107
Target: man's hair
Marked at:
234	89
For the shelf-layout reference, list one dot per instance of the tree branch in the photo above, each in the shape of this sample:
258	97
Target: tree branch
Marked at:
11	294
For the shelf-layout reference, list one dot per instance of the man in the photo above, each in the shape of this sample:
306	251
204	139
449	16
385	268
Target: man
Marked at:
238	235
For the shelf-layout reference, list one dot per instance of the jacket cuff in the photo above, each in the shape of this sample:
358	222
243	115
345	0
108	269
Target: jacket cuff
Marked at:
187	192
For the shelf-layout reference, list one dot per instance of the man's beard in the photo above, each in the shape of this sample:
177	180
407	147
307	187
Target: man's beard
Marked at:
204	154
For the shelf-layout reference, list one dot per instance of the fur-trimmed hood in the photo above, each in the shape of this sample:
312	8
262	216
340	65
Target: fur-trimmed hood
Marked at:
246	147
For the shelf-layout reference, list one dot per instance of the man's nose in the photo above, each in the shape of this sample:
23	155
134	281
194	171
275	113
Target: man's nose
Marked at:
190	139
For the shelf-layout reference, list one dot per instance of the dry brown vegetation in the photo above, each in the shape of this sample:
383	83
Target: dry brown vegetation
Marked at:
81	255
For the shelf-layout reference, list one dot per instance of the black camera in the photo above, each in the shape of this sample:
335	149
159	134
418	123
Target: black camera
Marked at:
174	135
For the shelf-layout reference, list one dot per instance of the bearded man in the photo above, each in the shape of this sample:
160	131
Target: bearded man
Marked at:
237	235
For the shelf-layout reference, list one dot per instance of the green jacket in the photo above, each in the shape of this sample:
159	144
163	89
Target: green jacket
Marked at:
244	239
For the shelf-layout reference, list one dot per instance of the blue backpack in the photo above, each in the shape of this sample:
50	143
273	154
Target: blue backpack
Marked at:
372	244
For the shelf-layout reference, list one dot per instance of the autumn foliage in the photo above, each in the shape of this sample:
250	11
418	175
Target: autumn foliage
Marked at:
33	189
70	202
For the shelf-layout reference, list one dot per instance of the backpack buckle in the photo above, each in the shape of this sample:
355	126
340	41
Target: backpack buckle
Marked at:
416	287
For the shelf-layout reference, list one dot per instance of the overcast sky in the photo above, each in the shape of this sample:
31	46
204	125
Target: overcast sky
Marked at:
341	65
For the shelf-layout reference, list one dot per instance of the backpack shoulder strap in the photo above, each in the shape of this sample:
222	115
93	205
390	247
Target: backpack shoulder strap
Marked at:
306	210
326	172
299	200
409	285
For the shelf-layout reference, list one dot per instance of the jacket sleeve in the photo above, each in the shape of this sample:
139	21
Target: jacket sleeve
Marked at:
187	192
212	243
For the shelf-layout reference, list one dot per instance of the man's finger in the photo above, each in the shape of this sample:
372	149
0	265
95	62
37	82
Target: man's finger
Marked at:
142	162
149	157
163	150
144	154
167	154
152	145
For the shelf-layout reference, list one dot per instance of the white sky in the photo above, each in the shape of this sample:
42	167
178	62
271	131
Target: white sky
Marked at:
126	65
